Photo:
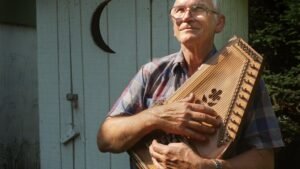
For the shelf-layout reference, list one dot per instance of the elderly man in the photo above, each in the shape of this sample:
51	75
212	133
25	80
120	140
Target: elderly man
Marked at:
195	23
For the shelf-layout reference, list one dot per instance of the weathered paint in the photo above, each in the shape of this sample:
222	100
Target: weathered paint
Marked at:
19	130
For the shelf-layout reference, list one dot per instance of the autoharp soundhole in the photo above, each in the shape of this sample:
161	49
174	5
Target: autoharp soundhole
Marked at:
212	98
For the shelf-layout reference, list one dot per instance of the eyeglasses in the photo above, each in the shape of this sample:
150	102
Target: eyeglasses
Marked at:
178	12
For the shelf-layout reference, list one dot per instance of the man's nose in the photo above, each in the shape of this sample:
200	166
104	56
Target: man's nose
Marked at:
187	15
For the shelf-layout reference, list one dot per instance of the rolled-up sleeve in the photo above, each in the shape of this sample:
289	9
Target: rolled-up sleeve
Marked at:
131	99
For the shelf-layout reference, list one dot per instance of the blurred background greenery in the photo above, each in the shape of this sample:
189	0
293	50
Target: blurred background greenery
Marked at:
274	32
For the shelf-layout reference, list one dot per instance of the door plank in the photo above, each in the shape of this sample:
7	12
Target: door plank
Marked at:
160	28
78	112
96	85
48	85
173	43
123	64
64	67
143	26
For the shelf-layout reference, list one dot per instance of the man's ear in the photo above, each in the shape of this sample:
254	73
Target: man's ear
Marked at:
220	23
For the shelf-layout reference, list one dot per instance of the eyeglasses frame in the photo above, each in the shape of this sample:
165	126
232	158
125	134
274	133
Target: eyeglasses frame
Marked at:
205	8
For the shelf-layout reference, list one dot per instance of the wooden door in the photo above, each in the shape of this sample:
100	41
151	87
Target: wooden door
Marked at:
69	62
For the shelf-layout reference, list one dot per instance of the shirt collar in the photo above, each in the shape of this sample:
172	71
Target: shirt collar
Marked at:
180	61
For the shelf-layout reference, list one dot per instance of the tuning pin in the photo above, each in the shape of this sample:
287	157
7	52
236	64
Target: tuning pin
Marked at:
245	90
253	66
251	74
228	137
257	59
231	129
243	97
236	113
239	105
234	122
248	82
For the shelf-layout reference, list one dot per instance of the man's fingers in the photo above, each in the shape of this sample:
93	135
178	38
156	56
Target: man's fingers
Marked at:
157	151
162	157
156	163
204	109
205	119
201	127
158	148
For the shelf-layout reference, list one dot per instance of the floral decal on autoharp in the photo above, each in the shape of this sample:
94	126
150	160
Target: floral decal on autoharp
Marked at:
212	98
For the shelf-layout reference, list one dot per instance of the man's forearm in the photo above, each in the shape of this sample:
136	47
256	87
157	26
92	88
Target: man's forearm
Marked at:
118	134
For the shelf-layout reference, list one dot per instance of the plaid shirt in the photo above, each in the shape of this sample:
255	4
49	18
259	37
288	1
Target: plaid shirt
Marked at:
158	79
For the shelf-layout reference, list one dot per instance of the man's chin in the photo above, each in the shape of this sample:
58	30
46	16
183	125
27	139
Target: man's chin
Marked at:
188	39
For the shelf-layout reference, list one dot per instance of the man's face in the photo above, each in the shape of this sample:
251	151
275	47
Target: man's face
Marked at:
194	26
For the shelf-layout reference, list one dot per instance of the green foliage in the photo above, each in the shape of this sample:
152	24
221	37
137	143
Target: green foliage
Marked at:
284	90
274	32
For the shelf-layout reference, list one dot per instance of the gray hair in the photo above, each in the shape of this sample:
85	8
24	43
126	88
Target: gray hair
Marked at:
216	4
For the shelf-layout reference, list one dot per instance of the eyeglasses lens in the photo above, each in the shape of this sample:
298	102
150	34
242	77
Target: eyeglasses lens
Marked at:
195	10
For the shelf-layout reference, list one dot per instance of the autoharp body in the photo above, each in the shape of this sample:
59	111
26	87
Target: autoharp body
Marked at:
225	83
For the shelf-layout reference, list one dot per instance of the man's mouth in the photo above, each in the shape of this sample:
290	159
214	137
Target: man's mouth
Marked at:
186	28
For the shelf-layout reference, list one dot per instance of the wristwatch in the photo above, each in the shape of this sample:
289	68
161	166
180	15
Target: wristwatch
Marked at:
217	163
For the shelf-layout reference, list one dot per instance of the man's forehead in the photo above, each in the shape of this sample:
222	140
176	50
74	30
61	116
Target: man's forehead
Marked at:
188	2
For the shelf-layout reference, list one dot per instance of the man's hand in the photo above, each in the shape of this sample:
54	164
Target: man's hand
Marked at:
187	118
176	156
181	156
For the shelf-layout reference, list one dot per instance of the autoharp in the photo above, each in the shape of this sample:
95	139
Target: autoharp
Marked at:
225	83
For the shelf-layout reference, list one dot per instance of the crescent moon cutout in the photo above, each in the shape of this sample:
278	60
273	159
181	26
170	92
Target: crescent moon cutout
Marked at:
95	28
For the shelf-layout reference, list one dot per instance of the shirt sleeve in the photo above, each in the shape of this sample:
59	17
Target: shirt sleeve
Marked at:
131	99
263	130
